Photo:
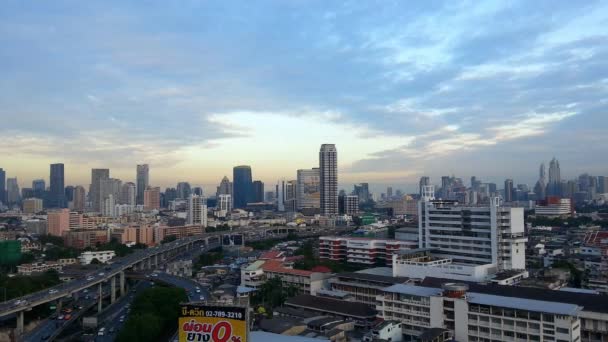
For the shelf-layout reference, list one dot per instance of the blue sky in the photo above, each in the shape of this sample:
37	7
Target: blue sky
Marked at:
404	88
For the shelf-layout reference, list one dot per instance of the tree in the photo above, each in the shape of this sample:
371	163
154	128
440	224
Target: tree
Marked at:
95	261
168	239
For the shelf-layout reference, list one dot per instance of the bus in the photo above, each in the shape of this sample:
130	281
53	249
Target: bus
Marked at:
101	331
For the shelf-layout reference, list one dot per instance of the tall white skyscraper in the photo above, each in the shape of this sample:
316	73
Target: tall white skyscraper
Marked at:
328	177
197	210
143	181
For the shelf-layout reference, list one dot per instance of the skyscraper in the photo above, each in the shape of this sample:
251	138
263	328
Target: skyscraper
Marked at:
389	192
554	185
152	199
39	190
128	193
2	186
183	190
69	194
328	178
308	191
225	187
57	187
94	191
12	191
143	180
243	185
258	191
79	198
197	210
508	190
197	190
541	185
423	181
289	197
362	191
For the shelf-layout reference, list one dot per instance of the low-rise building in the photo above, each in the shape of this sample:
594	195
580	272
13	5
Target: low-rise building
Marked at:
84	238
364	287
260	271
103	256
554	206
365	251
38	267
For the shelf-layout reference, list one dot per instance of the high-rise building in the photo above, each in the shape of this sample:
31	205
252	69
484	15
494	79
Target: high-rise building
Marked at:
197	211
308	191
224	203
27	193
152	199
143	181
2	186
183	190
389	192
602	184
225	187
58	222
242	187
108	205
350	205
69	194
170	196
57	187
32	205
110	186
197	190
97	175
328	178
12	191
553	186
485	235
509	190
423	181
541	185
79	202
290	189
362	190
38	185
258	191
492	188
128	194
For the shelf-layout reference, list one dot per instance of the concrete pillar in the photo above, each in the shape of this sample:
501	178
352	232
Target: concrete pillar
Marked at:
59	304
122	283
100	299
112	289
156	260
150	263
20	320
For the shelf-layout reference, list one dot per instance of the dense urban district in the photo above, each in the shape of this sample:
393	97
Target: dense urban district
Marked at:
456	261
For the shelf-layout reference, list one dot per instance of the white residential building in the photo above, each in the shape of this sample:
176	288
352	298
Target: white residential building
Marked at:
104	256
197	210
558	207
478	316
366	251
473	235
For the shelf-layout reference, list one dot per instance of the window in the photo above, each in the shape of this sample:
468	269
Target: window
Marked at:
522	336
548	318
534	337
522	325
562	331
473	317
509	334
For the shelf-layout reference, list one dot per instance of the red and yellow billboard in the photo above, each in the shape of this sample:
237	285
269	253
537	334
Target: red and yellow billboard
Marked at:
212	323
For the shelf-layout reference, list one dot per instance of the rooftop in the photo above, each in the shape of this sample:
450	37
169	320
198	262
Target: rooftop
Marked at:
524	304
334	306
277	267
414	290
373	278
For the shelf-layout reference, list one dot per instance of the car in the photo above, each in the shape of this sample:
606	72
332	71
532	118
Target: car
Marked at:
85	290
198	290
155	274
101	274
201	297
52	291
90	278
19	302
60	317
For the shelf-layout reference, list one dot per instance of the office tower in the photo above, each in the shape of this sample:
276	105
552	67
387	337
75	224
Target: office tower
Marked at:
39	188
389	192
57	187
290	189
94	191
2	186
280	195
152	199
328	178
423	181
27	193
128	193
183	190
242	187
197	211
553	186
485	235
602	184
142	180
12	191
508	190
197	190
541	185
270	196
79	203
69	194
348	205
110	186
32	205
257	191
362	190
492	188
308	192
58	222
170	196
225	187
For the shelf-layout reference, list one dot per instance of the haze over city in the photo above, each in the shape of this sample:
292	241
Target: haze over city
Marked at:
403	89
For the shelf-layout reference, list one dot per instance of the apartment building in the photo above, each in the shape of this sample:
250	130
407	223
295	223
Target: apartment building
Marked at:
473	235
307	282
478	316
364	251
178	231
553	206
103	256
38	267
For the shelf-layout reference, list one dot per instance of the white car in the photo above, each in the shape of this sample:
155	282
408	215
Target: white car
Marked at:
90	278
52	291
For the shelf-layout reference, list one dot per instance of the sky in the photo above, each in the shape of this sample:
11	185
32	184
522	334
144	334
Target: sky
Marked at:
403	88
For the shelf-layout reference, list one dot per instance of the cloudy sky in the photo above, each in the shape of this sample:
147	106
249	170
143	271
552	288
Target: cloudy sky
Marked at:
403	88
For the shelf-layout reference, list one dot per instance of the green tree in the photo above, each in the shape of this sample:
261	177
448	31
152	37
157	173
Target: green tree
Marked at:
155	311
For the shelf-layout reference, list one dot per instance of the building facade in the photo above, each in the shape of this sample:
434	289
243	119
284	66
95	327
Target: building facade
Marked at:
143	181
328	179
152	199
57	187
97	175
308	190
197	211
242	186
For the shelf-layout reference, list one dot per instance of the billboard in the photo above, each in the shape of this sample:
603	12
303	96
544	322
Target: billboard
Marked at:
212	323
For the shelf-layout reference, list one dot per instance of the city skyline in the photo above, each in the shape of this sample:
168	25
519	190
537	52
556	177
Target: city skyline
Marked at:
446	86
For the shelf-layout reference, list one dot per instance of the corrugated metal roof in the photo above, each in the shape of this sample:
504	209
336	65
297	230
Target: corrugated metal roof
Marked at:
414	290
523	304
255	265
